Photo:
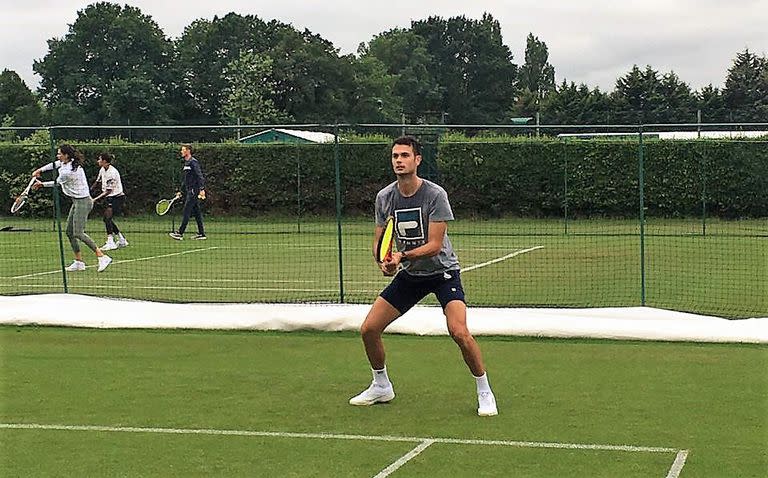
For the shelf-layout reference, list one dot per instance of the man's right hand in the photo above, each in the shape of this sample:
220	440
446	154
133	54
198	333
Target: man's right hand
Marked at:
388	268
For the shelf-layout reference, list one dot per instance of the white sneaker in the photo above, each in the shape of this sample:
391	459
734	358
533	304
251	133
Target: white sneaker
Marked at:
109	246
104	261
76	266
486	404
122	243
374	394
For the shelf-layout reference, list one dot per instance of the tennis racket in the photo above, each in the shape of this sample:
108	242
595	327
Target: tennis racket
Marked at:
22	199
164	205
387	239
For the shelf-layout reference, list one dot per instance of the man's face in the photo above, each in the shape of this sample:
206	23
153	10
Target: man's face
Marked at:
102	163
404	161
184	152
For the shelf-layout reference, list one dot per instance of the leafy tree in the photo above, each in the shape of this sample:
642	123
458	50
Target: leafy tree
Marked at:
374	99
635	95
310	81
204	50
18	105
107	52
676	102
473	66
536	76
133	100
313	83
712	105
405	56
746	87
250	90
576	104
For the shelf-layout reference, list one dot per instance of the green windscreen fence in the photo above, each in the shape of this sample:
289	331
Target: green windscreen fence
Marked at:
541	220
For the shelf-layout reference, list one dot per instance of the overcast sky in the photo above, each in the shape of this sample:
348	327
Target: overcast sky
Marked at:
590	41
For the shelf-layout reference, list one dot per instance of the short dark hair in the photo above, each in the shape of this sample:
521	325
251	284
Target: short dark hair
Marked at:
188	146
411	141
106	157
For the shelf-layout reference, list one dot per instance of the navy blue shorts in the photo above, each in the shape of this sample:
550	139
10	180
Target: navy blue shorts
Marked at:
406	290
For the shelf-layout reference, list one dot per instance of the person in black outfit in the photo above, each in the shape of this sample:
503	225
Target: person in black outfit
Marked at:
194	191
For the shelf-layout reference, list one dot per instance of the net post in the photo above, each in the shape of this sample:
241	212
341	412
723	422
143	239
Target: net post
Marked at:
298	189
57	210
641	187
337	165
565	189
703	179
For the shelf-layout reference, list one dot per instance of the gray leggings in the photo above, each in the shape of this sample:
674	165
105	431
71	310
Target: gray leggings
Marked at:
78	215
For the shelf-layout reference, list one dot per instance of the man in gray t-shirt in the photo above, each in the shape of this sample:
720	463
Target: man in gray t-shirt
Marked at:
413	215
424	263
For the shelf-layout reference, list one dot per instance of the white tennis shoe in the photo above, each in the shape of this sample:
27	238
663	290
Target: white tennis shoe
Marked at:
76	266
109	246
486	404
373	394
122	243
104	261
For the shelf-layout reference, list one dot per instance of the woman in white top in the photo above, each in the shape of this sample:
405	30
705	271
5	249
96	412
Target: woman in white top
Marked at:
74	184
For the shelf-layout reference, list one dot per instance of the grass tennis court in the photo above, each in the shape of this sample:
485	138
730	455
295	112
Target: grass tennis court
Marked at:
592	263
192	403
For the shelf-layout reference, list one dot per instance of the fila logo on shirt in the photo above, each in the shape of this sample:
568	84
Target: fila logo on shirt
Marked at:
408	224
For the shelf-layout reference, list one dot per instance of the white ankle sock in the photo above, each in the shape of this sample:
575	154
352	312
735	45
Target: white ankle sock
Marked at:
380	377
122	238
482	383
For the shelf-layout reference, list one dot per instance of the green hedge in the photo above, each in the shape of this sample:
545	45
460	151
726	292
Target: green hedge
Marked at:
528	178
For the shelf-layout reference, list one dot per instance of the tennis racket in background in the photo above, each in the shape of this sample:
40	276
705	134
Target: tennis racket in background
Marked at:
164	205
387	239
22	198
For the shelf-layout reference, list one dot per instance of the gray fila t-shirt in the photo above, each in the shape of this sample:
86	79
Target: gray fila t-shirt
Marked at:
412	215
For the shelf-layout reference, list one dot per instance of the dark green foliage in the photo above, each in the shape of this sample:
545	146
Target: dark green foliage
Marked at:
520	178
746	87
18	105
473	65
112	67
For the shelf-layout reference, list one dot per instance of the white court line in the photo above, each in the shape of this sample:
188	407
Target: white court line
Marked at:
170	287
404	459
674	471
333	436
332	247
119	262
677	465
499	259
74	288
208	280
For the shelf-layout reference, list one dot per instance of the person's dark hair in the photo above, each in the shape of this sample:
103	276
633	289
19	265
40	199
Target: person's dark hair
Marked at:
188	146
409	141
106	157
74	155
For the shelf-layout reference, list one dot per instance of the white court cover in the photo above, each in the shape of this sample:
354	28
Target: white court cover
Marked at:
629	323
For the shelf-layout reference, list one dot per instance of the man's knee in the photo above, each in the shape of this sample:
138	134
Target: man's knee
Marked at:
369	331
461	336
